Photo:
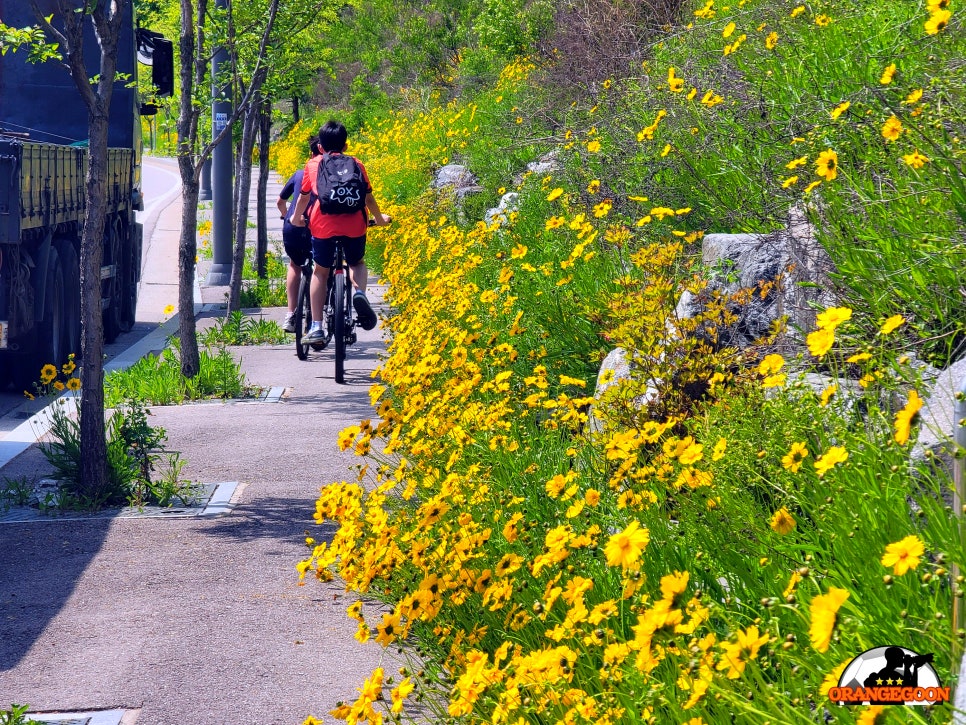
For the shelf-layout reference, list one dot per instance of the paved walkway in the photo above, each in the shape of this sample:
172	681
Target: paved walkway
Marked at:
198	621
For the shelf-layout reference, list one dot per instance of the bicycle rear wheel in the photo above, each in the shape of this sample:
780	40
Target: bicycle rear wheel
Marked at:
303	317
341	331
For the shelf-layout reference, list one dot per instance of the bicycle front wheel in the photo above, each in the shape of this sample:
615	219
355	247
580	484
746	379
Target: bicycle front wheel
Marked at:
303	317
341	331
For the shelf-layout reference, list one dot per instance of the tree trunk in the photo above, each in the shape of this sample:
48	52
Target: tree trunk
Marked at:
97	98
192	69
295	109
265	128
187	252
93	478
243	189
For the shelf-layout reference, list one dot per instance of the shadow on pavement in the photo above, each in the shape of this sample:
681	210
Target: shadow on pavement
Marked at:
40	566
272	517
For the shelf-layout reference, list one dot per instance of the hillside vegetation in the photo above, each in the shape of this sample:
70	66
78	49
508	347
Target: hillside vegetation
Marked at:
719	556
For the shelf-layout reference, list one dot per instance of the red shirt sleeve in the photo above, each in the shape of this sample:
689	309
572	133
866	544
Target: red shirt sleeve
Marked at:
308	177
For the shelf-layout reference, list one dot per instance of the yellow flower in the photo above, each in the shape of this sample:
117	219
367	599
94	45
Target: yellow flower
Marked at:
719	449
711	99
602	209
832	678
743	650
797	11
705	12
808	189
554	194
891	324
782	521
870	715
400	693
518	252
888	74
904	417
904	555
774	381
859	357
771	41
832	317
58	386
840	109
74	384
937	21
593	187
795	163
47	373
935	5
770	364
388	630
826	165
828	461
793	460
916	160
822	20
892	129
674	83
823	610
790	181
913	97
624	548
820	341
167	310
827	394
594	146
728	30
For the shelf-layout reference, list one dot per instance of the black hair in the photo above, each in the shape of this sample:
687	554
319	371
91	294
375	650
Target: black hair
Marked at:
314	148
333	136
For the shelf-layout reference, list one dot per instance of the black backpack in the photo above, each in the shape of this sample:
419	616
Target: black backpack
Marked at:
342	187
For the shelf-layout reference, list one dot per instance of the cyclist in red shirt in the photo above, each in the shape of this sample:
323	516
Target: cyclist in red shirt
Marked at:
326	228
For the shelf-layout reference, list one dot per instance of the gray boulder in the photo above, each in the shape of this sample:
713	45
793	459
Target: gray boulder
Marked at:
508	204
457	178
939	422
546	164
617	366
790	258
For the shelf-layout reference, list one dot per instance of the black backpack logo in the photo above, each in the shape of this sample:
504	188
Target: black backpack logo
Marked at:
342	187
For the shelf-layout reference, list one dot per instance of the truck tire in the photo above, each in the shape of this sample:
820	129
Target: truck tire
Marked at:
111	288
129	281
51	333
72	318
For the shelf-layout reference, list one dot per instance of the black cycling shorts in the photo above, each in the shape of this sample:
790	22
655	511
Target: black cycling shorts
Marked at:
323	250
297	242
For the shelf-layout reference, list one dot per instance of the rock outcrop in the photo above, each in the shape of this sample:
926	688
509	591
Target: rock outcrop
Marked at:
789	266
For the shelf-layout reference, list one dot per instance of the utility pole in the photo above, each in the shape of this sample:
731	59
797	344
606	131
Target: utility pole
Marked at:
221	171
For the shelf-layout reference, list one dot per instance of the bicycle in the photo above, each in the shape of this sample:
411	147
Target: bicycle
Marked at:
303	314
339	322
338	310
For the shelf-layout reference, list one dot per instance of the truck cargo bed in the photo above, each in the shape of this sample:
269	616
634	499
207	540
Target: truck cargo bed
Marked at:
42	185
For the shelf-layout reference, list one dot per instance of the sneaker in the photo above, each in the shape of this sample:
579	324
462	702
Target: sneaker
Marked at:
289	324
367	317
315	335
